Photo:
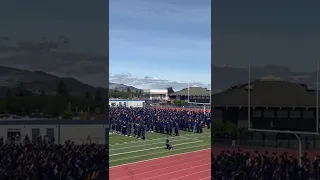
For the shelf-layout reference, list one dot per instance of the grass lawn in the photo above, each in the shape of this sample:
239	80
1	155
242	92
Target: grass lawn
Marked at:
125	149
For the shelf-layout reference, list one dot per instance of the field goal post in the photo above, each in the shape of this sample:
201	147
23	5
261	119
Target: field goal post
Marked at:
204	104
295	133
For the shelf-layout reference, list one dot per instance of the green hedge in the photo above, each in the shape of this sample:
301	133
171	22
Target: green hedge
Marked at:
179	103
224	127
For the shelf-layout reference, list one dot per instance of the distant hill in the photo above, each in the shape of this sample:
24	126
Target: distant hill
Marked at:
36	81
225	77
122	87
222	77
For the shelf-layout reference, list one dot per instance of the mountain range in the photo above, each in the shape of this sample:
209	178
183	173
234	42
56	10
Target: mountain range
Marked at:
36	81
223	77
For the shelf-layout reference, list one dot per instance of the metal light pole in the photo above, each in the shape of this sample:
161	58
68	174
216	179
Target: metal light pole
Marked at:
188	92
317	100
249	95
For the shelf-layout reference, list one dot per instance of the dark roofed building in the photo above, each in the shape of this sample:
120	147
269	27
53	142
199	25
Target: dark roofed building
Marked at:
196	94
275	104
93	116
59	129
267	92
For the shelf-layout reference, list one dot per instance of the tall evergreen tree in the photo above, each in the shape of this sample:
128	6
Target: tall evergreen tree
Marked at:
9	93
98	96
87	95
43	93
21	89
128	89
170	90
62	89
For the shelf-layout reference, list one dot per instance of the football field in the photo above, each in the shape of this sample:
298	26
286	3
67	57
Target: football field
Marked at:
124	150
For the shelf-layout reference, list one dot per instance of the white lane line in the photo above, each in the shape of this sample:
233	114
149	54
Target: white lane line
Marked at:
152	154
172	161
193	167
209	177
168	167
192	174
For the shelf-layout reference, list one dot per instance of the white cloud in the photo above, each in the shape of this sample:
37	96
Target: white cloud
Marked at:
148	82
51	57
161	10
88	68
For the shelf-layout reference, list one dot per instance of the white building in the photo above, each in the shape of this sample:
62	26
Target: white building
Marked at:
156	94
78	131
126	103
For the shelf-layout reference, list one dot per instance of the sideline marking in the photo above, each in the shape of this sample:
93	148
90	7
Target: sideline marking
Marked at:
153	159
187	136
159	147
129	145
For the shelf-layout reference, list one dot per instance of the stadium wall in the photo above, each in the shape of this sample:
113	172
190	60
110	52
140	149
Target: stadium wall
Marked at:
156	94
79	131
126	103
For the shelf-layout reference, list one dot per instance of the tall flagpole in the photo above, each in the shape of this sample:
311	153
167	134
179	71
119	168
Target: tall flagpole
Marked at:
317	100
210	94
188	92
249	95
209	97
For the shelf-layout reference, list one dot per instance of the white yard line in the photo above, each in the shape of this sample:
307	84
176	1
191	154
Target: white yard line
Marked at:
188	136
159	147
150	140
130	146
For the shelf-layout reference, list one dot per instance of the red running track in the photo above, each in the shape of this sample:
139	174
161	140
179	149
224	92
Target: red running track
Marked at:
189	166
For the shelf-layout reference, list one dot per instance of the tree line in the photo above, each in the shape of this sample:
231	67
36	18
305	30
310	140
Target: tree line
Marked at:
21	101
128	93
125	94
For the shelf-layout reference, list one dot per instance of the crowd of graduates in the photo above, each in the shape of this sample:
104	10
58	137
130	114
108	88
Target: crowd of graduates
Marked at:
44	160
137	121
239	165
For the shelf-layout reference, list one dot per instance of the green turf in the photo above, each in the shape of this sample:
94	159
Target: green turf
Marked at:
125	149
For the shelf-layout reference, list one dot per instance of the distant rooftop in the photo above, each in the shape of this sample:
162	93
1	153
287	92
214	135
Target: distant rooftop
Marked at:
193	91
271	78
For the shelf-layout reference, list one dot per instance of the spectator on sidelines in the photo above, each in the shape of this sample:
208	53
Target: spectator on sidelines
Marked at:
43	160
243	166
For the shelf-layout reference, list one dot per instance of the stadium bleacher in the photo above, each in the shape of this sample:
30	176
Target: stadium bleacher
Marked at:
43	159
242	165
